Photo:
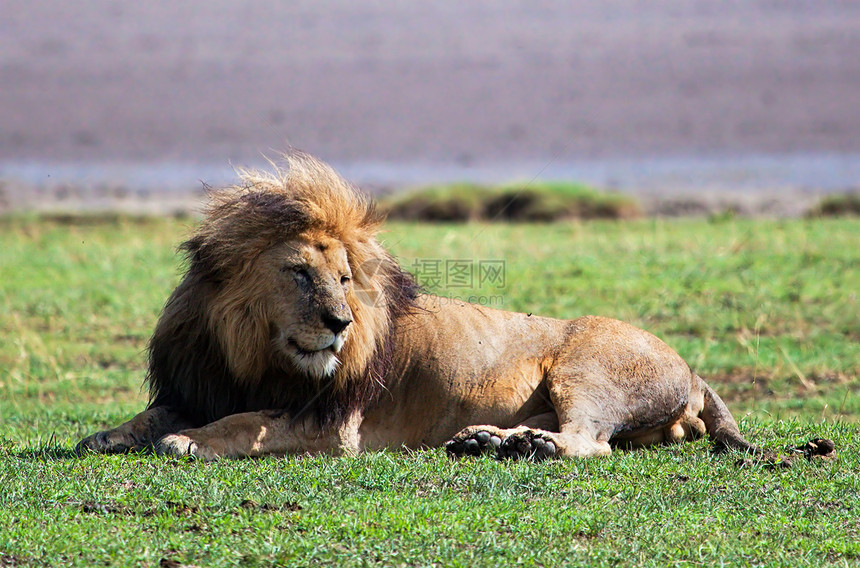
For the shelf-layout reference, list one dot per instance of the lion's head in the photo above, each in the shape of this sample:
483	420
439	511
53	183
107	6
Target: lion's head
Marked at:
287	291
306	282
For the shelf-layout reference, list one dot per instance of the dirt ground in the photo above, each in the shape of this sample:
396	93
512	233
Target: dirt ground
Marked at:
479	83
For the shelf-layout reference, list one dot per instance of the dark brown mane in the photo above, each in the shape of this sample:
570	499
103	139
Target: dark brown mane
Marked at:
211	355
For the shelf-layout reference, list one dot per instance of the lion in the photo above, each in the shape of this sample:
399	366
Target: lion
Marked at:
293	331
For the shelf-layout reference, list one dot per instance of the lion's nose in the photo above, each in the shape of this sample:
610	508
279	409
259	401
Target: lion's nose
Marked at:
336	324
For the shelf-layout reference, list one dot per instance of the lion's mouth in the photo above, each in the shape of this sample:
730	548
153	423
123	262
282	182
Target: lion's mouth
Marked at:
316	362
302	351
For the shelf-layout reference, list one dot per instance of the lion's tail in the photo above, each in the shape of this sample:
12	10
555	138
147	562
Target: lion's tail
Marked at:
720	424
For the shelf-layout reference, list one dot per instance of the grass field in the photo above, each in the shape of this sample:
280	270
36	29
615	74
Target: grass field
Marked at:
766	311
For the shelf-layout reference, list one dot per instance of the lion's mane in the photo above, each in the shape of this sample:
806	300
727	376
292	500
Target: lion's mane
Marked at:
211	353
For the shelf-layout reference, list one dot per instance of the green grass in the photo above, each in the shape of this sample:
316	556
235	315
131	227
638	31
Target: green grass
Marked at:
534	201
766	311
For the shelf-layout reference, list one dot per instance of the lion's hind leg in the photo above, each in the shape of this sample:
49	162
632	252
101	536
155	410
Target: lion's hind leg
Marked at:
686	428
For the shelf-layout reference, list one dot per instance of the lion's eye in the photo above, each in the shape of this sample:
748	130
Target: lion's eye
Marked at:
344	280
300	275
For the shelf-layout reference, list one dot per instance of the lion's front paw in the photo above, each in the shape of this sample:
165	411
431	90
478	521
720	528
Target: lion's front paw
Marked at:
528	444
475	441
179	445
106	442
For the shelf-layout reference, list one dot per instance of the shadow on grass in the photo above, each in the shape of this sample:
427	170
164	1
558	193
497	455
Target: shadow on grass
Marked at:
55	453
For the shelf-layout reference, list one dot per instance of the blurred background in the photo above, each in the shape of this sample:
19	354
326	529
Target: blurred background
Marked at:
106	102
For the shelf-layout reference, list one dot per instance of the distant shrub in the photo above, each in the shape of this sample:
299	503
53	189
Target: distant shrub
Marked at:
846	204
542	202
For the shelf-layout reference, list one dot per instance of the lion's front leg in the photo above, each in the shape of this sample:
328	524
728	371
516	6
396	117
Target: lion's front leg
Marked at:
253	434
138	433
476	440
523	442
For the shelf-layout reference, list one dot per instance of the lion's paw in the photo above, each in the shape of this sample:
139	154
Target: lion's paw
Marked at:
528	444
475	442
106	442
180	445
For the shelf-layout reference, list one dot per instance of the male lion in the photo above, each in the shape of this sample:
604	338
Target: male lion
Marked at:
294	331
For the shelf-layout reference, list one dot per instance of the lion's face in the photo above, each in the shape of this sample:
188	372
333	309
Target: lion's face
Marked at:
309	279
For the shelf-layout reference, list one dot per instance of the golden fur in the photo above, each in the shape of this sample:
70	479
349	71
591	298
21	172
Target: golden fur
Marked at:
293	330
